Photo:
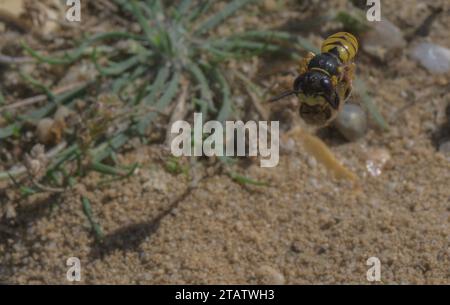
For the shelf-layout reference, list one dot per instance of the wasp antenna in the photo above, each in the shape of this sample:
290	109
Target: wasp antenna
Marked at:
282	95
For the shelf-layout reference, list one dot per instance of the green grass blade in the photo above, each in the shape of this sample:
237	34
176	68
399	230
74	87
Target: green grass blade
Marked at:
204	107
264	36
158	85
120	83
34	82
354	21
68	154
115	68
104	150
38	114
206	93
200	8
43	58
245	180
225	109
59	99
125	4
215	20
183	7
9	130
27	191
106	169
88	212
110	180
370	105
169	94
155	6
77	53
242	45
220	55
150	33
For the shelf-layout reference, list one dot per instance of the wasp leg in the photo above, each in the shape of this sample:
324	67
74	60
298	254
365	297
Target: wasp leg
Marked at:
350	72
347	80
315	147
303	66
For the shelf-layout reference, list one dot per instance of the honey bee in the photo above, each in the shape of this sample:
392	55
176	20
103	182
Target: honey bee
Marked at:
324	82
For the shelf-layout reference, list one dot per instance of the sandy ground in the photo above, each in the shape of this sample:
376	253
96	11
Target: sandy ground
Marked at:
305	227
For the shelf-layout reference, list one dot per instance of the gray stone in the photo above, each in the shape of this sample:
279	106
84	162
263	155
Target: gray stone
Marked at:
351	122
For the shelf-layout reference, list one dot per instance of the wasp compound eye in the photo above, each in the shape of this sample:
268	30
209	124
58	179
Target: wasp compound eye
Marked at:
326	85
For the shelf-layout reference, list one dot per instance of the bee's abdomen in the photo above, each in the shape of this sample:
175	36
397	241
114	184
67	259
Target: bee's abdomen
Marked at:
342	44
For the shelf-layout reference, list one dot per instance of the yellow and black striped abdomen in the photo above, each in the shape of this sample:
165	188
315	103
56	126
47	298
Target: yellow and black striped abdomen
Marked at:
343	44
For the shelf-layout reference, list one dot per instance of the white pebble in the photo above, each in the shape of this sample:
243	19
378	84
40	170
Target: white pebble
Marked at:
434	58
376	160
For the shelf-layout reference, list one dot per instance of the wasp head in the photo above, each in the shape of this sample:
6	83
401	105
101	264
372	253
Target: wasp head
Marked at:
316	83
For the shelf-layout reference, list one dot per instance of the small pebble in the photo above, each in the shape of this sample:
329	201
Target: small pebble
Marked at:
44	130
287	146
10	212
434	58
351	122
270	5
384	38
61	114
269	276
296	247
312	162
376	160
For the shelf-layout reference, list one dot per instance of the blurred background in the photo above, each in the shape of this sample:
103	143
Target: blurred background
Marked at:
86	170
